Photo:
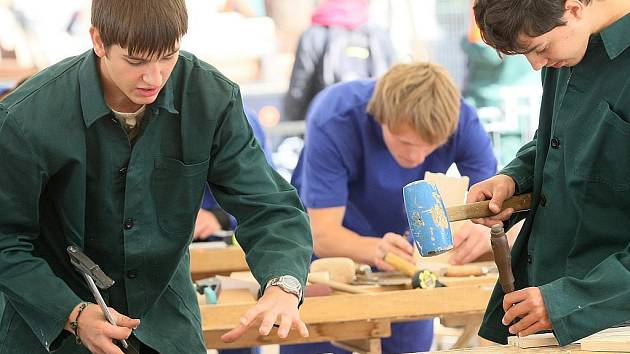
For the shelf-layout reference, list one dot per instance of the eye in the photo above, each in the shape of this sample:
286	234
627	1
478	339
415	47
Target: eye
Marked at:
540	51
135	63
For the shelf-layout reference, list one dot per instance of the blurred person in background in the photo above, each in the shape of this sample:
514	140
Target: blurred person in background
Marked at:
367	139
339	46
488	72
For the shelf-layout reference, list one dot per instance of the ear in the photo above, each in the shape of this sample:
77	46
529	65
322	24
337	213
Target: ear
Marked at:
97	42
574	9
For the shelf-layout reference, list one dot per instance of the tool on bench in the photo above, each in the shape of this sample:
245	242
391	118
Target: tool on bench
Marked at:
210	288
420	278
429	219
95	278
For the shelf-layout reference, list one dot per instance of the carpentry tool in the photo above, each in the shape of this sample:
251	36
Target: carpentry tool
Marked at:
420	278
94	277
502	257
210	288
429	219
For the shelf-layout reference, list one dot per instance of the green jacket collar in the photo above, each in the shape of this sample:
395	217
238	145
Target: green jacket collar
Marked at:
92	99
615	37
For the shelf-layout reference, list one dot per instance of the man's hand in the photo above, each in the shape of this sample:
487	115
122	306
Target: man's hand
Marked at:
393	243
206	225
469	243
275	307
497	189
97	333
529	306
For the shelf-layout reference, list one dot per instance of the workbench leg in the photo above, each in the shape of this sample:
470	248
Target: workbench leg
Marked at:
470	330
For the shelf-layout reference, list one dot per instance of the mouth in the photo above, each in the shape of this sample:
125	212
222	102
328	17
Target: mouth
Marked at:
148	92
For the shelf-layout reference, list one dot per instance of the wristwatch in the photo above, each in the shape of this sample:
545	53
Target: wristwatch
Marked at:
288	284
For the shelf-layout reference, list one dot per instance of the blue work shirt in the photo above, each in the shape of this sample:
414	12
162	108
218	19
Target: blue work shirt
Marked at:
345	162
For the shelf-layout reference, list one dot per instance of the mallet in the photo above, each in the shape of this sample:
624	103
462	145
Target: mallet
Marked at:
429	219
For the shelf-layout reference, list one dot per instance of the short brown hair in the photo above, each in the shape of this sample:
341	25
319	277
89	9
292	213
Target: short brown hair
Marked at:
149	27
420	95
501	22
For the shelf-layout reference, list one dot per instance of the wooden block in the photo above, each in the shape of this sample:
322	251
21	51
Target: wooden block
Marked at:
615	344
609	340
533	341
341	269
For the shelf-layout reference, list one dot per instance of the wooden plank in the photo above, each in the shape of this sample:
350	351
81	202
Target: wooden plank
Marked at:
394	305
534	341
609	340
206	262
509	349
617	344
322	332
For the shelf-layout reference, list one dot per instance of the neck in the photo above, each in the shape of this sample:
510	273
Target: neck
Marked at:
607	12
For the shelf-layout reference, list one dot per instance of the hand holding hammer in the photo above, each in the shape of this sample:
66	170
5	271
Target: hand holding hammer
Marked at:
429	219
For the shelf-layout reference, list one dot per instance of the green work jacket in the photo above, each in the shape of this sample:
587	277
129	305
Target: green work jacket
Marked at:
575	242
69	176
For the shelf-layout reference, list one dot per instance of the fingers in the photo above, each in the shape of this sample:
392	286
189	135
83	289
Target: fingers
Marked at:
234	334
116	332
538	326
125	321
382	265
470	242
398	242
285	326
301	327
245	322
267	323
275	311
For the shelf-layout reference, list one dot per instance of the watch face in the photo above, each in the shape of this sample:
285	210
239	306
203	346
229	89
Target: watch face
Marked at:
290	283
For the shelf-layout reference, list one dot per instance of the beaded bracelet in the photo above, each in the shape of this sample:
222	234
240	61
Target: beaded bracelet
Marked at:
75	324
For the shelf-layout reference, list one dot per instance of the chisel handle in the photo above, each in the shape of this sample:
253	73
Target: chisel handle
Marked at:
481	210
502	257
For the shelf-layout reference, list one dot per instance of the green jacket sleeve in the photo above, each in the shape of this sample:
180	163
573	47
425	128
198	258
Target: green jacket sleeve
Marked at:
42	299
273	227
600	299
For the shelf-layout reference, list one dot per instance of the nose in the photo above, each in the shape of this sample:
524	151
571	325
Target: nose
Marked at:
153	75
537	61
416	155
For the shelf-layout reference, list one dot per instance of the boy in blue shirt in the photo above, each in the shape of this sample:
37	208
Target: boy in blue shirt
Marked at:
365	140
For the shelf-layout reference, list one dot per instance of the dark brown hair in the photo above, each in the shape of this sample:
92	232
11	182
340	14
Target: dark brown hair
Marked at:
147	27
501	22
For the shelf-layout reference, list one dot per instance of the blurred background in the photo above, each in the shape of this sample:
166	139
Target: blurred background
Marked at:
256	42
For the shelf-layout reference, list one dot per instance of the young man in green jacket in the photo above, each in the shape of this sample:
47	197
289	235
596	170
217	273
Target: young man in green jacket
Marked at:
110	151
571	260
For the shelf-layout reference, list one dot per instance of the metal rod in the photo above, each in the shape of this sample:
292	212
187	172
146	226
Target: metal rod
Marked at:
101	303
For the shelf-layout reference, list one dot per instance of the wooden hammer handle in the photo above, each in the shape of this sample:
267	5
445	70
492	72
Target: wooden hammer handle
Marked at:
481	210
400	264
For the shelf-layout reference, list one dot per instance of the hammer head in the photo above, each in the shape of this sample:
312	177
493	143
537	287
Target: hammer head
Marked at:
428	221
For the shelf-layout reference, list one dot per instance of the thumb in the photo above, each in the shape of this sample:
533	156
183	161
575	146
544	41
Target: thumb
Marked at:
125	321
498	197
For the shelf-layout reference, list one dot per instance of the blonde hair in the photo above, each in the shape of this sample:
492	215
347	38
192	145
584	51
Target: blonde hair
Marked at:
421	96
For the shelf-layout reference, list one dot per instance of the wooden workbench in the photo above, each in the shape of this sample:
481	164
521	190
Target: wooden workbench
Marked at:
355	321
206	261
508	349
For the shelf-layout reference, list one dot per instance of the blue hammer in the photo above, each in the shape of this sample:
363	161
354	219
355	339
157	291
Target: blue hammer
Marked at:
429	219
